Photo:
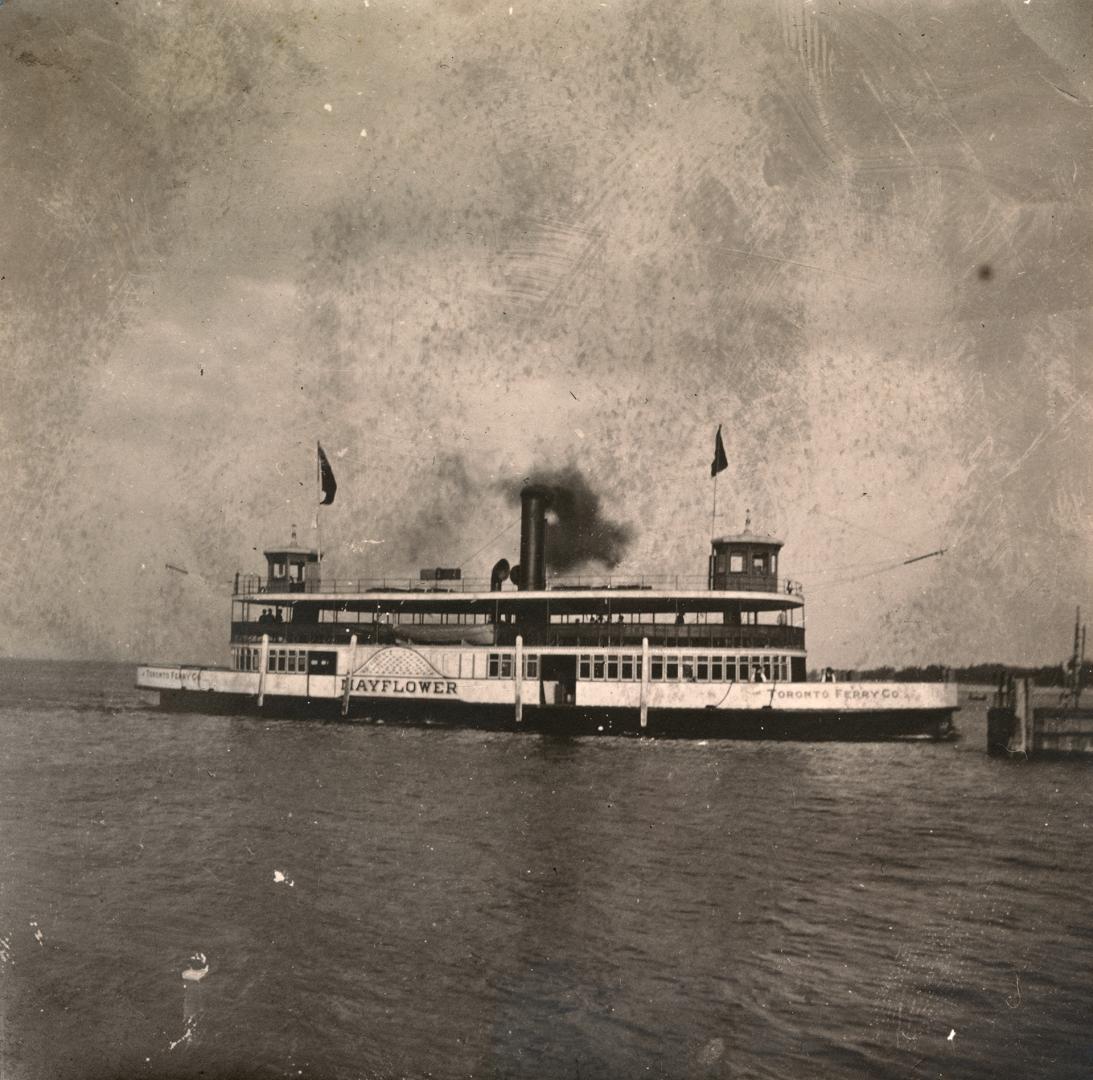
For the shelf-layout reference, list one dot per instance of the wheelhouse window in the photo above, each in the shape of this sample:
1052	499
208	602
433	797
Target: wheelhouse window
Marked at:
759	563
736	563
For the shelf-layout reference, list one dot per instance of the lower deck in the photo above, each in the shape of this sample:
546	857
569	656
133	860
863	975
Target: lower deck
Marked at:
700	692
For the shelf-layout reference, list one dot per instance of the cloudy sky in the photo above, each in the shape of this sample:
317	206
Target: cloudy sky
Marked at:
459	242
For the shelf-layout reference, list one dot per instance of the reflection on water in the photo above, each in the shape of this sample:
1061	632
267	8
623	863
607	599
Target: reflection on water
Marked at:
381	902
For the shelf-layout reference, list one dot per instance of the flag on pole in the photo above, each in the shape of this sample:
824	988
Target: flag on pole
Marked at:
720	458
326	479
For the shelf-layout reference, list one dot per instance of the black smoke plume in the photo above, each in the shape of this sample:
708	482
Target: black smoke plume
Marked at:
577	532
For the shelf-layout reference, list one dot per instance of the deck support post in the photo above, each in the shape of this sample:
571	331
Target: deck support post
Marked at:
263	663
644	682
350	667
518	677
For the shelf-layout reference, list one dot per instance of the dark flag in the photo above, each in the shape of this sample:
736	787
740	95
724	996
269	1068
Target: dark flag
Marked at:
720	459
326	479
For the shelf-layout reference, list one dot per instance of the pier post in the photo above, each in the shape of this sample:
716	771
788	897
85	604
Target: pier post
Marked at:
350	667
518	676
1024	718
644	682
263	663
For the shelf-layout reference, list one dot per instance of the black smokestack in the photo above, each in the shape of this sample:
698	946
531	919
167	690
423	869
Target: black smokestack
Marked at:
576	530
534	500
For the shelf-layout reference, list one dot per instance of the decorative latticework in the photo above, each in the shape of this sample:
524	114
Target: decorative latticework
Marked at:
398	661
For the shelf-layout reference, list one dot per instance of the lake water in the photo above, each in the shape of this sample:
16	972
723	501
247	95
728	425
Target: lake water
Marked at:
386	902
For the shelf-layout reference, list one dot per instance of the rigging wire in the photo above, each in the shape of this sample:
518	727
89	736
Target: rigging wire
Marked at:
872	573
870	532
511	525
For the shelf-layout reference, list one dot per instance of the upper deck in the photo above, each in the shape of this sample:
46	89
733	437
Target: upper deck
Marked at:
659	592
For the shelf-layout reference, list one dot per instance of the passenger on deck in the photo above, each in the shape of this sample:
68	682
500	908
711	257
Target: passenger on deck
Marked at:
679	619
757	674
279	618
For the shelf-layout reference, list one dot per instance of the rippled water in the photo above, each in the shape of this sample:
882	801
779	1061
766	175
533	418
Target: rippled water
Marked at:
461	904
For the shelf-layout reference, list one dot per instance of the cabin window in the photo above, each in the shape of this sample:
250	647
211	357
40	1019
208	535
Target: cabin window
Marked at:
656	668
715	668
506	666
531	666
627	667
767	668
688	669
736	563
612	667
702	669
494	665
584	667
637	668
671	667
597	667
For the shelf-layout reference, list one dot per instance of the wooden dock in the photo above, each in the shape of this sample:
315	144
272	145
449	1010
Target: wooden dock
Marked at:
1027	721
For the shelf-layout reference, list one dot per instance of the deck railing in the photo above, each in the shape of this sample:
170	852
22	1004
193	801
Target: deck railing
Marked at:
253	584
576	635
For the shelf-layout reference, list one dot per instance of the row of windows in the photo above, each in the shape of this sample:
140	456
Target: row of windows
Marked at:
759	563
279	659
675	667
672	667
499	666
288	660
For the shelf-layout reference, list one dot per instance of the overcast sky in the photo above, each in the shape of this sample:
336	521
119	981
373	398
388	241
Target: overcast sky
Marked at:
459	242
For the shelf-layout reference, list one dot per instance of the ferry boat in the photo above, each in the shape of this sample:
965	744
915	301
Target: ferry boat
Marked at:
721	655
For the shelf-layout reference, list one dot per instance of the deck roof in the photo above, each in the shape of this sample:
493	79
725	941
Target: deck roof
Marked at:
620	601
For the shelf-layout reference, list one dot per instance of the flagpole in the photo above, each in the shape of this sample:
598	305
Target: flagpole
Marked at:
713	513
318	504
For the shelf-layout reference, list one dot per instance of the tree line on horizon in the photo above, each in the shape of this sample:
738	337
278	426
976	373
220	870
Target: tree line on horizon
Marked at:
983	674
